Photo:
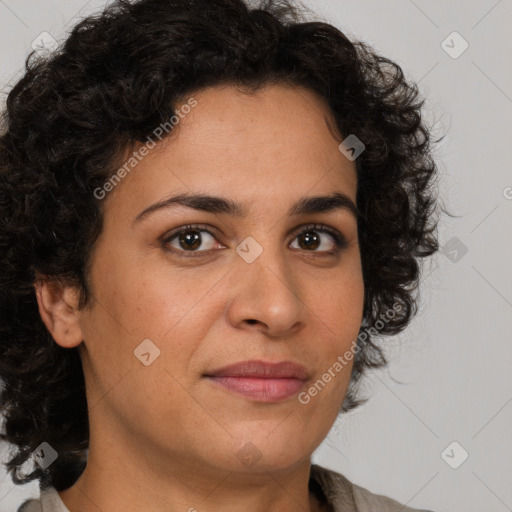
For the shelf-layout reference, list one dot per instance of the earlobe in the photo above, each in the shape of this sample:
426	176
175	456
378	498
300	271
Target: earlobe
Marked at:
58	307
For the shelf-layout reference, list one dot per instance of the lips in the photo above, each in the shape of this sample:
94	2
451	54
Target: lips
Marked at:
262	370
261	381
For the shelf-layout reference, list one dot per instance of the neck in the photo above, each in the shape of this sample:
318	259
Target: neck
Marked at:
133	482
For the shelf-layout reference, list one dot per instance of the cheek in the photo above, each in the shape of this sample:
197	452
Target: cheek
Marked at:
144	300
175	308
337	314
339	304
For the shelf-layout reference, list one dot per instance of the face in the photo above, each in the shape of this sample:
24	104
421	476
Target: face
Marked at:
264	286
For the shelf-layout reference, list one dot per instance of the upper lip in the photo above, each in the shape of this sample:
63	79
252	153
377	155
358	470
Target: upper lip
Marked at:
262	370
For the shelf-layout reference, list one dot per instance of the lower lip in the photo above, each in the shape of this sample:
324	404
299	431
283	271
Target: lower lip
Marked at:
261	390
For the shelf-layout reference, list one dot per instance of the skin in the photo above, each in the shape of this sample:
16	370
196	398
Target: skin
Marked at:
162	436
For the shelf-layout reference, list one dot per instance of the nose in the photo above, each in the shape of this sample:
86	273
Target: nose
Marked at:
265	296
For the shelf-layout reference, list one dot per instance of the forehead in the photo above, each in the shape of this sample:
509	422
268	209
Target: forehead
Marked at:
278	116
278	142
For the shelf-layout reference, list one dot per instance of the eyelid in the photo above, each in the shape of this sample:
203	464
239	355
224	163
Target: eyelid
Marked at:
340	240
324	228
165	239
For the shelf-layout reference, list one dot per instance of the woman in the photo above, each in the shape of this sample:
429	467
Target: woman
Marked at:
209	212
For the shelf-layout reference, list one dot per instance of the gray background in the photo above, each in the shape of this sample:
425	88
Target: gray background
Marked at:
449	379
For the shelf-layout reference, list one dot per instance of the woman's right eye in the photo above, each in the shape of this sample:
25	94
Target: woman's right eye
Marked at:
188	239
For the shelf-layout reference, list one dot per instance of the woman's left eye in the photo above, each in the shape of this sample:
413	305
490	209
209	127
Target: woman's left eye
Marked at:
310	239
190	239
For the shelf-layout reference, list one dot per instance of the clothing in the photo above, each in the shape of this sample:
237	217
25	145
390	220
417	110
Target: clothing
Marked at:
340	493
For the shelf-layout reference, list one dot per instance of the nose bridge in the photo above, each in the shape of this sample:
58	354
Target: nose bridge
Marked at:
266	289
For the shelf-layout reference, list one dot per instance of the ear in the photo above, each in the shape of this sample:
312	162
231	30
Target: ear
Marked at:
58	307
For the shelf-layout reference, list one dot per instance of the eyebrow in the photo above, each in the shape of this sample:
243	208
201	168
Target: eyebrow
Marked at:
214	204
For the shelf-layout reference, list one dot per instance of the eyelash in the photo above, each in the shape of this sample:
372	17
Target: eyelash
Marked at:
339	240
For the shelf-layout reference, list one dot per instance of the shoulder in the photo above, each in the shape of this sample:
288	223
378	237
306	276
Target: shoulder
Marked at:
343	494
31	505
48	501
369	502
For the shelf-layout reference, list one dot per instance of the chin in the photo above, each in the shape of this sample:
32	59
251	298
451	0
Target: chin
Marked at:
266	451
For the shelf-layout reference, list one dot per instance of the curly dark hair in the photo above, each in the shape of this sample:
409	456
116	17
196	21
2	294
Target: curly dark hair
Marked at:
70	120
